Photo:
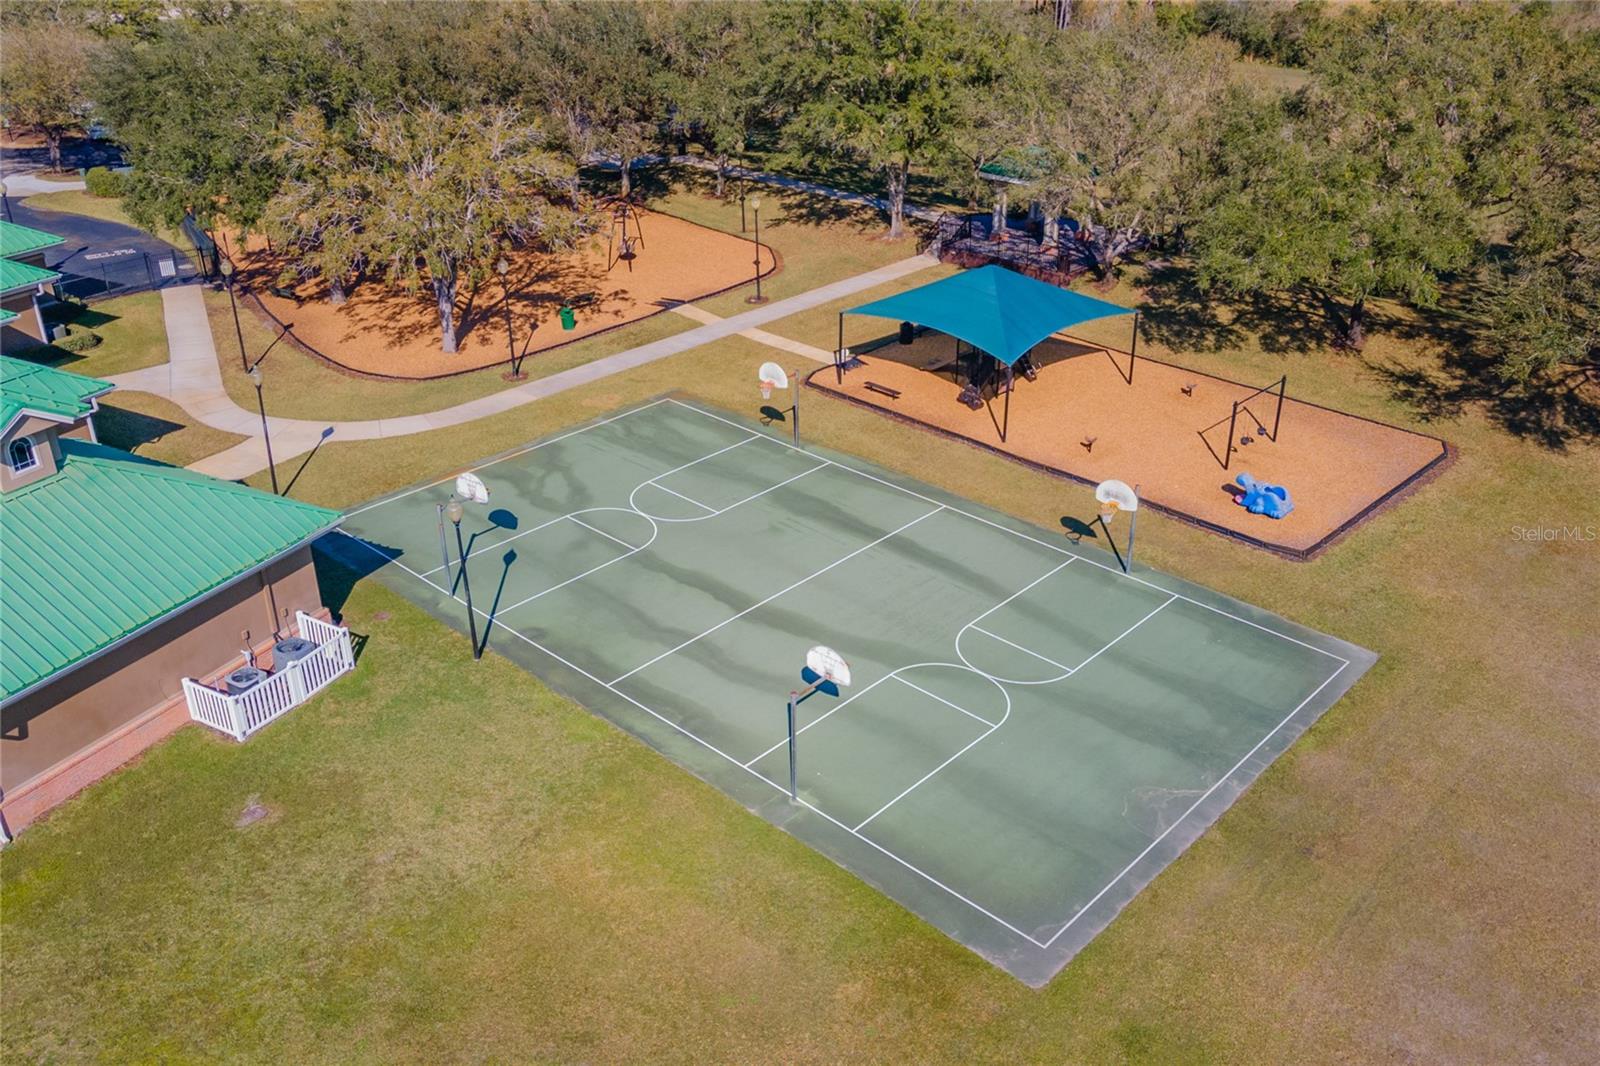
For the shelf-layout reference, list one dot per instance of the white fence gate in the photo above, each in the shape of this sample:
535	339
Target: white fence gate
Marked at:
287	688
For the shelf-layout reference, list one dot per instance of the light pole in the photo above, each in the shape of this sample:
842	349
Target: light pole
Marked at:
5	202
227	268
755	205
742	186
454	511
503	268
254	373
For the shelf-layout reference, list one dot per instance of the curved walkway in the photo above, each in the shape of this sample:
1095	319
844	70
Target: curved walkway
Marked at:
193	380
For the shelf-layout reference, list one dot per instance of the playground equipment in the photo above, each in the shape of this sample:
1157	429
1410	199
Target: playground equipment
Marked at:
1261	498
621	246
1230	443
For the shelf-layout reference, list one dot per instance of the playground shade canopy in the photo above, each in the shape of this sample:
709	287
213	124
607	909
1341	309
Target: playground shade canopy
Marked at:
993	309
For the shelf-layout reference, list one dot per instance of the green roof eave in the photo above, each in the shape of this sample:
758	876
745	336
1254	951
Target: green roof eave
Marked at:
6	316
18	277
20	240
89	559
28	388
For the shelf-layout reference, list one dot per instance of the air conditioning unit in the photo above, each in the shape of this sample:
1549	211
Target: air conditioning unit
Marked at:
243	680
290	649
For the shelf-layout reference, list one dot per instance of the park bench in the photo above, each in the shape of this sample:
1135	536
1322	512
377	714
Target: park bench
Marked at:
883	390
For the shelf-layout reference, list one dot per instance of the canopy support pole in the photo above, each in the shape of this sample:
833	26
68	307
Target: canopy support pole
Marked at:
1133	349
838	353
1005	419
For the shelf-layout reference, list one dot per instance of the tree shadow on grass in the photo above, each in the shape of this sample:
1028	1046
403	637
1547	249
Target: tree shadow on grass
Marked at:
1181	315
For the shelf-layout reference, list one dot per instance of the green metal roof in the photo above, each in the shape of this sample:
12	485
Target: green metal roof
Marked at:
112	542
6	316
45	391
15	275
993	309
20	240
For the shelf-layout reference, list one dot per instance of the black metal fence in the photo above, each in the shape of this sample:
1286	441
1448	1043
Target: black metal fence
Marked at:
95	275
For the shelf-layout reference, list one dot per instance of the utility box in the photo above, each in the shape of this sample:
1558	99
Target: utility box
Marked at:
290	649
243	680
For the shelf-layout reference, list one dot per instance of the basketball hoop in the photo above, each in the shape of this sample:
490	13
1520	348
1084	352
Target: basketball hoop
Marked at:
1114	496
825	671
772	377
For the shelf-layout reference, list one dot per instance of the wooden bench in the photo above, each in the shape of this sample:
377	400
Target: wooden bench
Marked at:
883	390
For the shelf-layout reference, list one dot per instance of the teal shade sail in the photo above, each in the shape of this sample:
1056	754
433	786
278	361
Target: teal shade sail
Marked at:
993	309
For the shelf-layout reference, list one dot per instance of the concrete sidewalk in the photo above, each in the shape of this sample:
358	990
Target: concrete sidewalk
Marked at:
193	381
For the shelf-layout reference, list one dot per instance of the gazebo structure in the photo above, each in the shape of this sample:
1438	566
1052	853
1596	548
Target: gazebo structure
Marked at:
1001	316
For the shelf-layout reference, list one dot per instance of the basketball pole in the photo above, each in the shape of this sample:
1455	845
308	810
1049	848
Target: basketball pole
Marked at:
1133	517
444	552
794	792
794	377
795	698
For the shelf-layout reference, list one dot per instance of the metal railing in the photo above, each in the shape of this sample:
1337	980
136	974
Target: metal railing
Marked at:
289	685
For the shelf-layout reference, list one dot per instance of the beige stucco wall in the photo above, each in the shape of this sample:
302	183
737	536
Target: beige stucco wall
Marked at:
53	724
26	322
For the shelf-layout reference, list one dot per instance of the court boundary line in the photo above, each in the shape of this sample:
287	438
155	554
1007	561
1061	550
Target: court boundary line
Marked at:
492	621
1116	571
686	499
1193	807
484	465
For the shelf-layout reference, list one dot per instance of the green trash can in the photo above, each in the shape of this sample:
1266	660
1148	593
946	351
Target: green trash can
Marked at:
569	318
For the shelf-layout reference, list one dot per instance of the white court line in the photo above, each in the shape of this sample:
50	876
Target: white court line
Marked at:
562	517
1026	651
681	496
775	595
759	776
939	506
512	455
1192	807
918	783
941	699
720	511
603	533
1124	633
1116	571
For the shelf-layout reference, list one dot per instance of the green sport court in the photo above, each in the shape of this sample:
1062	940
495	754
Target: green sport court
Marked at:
1030	736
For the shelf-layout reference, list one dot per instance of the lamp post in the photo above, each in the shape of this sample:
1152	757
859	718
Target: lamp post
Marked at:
743	183
254	373
5	202
454	511
503	268
755	206
227	268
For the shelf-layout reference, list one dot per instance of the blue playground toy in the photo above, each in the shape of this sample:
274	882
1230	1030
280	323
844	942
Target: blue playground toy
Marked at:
1261	498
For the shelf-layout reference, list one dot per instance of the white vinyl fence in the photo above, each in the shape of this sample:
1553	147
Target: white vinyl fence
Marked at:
289	686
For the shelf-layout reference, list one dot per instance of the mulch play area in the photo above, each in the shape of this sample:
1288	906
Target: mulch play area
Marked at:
387	332
1165	432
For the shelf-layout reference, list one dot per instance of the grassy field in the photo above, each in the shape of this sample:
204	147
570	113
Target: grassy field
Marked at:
459	864
133	332
157	428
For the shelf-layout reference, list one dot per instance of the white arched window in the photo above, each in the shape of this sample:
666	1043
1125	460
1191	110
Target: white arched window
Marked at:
21	455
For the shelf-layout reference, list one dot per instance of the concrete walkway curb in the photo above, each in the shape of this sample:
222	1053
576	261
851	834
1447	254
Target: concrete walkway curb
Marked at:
193	380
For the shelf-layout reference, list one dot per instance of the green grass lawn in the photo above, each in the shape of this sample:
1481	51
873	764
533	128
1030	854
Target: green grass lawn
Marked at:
459	863
157	428
133	332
